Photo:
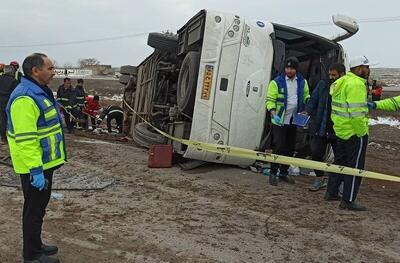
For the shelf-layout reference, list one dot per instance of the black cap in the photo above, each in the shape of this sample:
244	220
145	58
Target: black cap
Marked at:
292	62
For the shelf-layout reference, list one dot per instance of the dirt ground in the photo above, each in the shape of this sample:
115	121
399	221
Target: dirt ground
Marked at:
211	214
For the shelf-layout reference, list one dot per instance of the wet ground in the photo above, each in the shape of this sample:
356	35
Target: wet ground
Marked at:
211	214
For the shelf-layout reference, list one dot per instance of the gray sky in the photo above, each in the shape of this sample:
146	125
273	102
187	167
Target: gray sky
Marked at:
27	22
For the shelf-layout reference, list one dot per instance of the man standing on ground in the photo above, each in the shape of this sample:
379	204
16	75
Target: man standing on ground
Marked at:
80	94
321	125
286	96
7	84
36	144
80	99
350	122
66	97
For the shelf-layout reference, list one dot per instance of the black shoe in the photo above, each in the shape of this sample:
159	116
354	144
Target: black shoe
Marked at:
43	259
287	178
49	250
353	206
273	179
329	197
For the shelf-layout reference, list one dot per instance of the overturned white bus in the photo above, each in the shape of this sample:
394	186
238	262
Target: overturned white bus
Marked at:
208	82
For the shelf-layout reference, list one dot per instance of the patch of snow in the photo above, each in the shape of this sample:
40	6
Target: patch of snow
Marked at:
115	97
374	144
385	121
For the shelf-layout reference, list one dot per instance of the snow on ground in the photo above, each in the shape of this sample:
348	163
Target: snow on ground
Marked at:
114	97
385	121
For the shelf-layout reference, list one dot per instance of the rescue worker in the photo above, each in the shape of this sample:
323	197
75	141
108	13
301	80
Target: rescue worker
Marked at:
37	149
389	104
113	112
67	98
7	84
91	109
80	94
321	125
286	96
80	100
17	73
350	123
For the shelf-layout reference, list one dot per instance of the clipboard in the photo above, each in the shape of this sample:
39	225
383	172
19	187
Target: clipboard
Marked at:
300	120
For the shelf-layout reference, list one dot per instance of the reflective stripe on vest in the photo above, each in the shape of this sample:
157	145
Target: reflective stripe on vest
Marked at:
349	105
349	110
116	111
49	131
349	114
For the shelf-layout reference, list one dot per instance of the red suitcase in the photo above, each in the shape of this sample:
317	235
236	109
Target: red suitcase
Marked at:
160	156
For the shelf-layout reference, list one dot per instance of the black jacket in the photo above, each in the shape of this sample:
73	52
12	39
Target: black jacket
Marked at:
113	113
7	85
66	97
80	95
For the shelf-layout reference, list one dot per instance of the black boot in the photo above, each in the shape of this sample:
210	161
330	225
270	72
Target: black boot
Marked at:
49	250
353	206
43	259
329	197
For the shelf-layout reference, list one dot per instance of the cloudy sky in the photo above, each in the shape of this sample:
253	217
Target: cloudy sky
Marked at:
28	22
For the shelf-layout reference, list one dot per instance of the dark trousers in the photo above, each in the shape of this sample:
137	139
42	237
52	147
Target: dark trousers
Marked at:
350	153
3	119
68	120
284	142
35	203
318	147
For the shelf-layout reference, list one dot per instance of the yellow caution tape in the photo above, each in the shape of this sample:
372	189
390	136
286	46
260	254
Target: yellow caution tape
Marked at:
273	158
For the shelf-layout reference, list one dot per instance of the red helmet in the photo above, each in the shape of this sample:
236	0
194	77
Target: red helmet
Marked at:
14	64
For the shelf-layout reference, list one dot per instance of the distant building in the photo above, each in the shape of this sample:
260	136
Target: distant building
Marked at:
73	72
101	69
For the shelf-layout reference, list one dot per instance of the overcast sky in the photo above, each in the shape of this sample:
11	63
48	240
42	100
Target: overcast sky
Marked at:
28	22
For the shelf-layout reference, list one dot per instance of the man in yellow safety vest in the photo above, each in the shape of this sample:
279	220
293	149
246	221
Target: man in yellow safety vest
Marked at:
350	123
36	142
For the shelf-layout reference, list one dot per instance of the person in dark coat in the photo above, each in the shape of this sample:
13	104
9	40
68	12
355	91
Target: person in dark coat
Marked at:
7	84
66	96
80	100
113	113
321	125
80	94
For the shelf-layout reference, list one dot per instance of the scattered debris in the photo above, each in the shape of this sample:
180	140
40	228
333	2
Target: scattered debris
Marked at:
57	196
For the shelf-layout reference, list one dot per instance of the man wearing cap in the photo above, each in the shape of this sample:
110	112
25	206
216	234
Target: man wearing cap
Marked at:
350	123
286	96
